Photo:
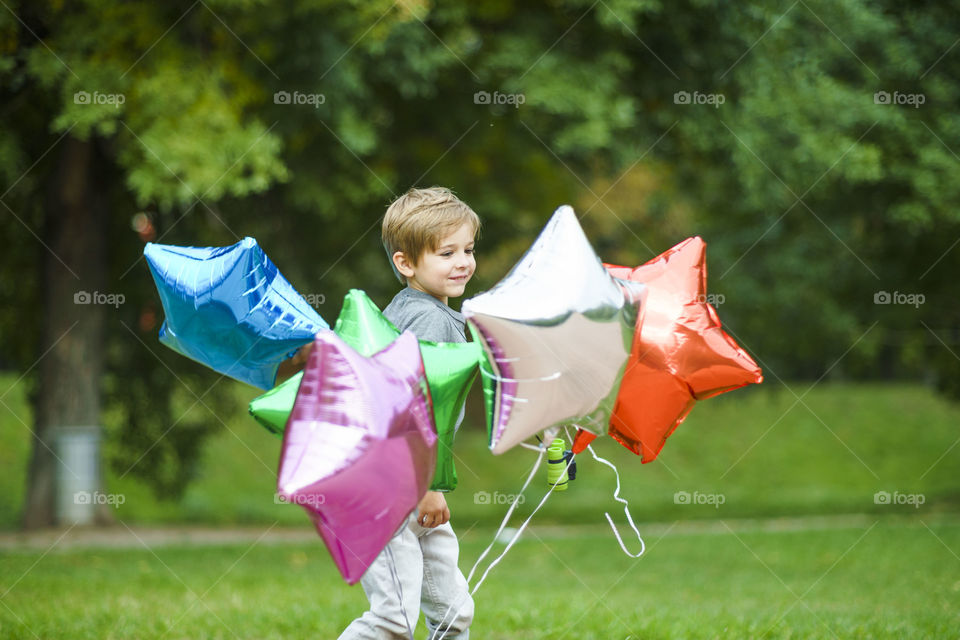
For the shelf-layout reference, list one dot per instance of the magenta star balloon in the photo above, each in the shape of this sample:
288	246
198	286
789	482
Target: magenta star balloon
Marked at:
359	449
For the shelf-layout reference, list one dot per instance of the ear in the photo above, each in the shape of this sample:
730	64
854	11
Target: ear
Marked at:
402	264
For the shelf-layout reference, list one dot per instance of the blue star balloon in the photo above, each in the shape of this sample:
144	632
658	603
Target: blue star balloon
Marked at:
230	308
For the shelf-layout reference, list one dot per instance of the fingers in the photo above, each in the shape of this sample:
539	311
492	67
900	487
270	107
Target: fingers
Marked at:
431	519
437	519
303	355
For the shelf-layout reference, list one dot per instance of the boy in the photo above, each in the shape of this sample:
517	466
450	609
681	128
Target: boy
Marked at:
429	236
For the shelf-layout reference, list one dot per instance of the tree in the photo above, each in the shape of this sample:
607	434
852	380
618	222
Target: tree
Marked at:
169	127
753	124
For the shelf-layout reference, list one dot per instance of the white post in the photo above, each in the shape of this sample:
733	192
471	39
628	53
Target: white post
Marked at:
78	474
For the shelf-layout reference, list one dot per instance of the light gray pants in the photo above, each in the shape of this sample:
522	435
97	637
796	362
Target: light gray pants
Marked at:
426	565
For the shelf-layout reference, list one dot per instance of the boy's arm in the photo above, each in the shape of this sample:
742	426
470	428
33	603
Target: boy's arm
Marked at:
432	510
291	366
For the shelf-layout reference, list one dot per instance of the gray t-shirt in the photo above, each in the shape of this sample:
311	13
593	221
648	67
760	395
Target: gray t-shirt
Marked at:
427	317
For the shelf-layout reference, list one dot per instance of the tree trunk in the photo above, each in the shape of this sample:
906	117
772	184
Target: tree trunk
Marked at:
68	389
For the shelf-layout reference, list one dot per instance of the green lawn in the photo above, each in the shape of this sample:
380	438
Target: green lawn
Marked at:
759	448
892	577
891	572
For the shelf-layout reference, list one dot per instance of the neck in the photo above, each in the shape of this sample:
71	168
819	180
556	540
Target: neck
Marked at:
443	299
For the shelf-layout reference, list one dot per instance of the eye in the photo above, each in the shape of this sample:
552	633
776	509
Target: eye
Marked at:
471	250
447	254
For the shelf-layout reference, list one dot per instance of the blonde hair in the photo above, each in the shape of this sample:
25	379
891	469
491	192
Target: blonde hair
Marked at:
417	221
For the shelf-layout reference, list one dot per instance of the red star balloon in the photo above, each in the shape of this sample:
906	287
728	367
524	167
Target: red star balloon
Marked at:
679	355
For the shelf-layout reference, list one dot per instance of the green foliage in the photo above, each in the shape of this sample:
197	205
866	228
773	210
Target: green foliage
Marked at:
811	195
800	122
175	113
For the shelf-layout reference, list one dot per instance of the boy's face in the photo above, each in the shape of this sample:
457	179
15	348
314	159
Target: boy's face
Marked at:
444	272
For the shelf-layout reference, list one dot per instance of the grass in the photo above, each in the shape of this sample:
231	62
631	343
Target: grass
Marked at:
708	573
887	577
764	451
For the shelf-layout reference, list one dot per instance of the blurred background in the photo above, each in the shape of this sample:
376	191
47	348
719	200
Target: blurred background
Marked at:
813	145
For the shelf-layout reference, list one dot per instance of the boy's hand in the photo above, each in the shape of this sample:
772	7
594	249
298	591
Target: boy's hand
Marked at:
292	365
432	510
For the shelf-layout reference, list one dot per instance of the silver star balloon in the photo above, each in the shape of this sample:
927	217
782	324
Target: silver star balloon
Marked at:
557	332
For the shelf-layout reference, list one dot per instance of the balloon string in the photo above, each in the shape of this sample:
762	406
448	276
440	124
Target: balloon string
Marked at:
616	496
510	511
399	586
503	524
626	509
499	378
516	537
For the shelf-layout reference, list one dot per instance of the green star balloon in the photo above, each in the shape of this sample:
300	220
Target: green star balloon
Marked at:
450	367
488	379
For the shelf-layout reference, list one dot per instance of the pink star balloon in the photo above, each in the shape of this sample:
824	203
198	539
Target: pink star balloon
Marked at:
360	447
